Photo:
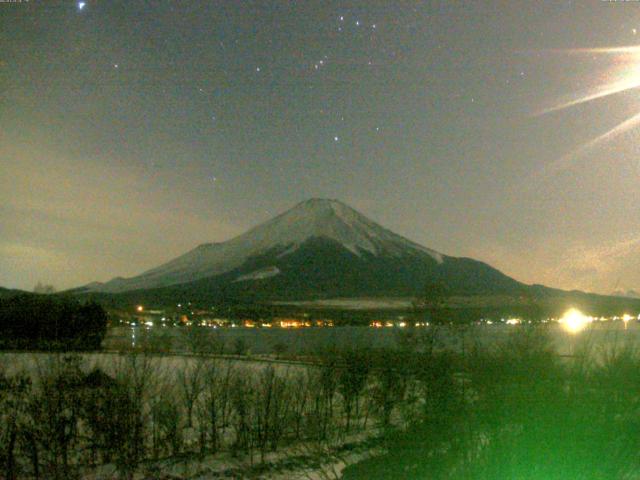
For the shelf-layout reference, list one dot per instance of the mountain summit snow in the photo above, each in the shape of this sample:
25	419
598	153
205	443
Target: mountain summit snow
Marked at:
330	219
315	218
319	248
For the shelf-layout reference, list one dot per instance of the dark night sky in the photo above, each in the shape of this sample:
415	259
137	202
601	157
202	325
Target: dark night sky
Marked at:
131	131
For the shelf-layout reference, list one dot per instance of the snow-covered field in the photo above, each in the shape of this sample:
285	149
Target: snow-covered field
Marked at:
166	365
254	401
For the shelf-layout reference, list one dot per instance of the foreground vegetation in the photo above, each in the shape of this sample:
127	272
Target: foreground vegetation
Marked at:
519	411
50	322
516	410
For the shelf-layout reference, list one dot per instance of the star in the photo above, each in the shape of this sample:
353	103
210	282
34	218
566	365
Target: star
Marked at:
115	65
81	5
257	69
634	31
341	18
336	138
357	23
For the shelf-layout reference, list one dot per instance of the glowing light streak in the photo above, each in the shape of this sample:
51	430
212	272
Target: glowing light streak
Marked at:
623	75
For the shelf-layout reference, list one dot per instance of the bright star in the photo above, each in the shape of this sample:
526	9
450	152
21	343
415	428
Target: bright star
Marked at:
335	139
81	5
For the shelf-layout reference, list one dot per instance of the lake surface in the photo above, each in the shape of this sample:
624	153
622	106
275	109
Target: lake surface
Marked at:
598	336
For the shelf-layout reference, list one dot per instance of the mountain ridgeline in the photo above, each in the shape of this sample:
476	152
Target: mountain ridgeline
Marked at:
318	249
323	249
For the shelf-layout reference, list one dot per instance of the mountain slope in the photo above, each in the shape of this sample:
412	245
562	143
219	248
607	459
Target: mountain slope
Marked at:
318	249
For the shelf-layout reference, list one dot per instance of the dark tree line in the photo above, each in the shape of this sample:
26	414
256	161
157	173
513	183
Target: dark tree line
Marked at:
32	321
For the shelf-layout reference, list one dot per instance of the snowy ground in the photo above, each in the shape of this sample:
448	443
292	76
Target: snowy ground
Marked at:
296	462
293	461
12	362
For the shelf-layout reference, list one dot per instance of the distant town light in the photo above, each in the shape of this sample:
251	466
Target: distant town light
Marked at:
574	320
139	308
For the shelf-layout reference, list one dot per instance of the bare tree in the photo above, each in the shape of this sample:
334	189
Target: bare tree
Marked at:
242	393
351	382
428	310
300	385
13	400
271	408
213	408
390	374
167	428
137	379
44	288
55	410
190	382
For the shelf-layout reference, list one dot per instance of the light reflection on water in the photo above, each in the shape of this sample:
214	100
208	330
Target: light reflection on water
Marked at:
597	336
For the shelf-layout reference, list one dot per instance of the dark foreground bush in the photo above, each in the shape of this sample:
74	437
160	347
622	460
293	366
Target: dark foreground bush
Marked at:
32	321
521	412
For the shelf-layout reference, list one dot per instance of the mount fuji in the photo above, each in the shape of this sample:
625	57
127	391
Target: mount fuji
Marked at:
318	249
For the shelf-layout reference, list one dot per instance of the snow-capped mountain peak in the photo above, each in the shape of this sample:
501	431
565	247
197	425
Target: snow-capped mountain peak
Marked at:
313	219
331	219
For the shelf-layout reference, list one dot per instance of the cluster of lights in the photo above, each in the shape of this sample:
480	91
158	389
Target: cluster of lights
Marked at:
573	321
